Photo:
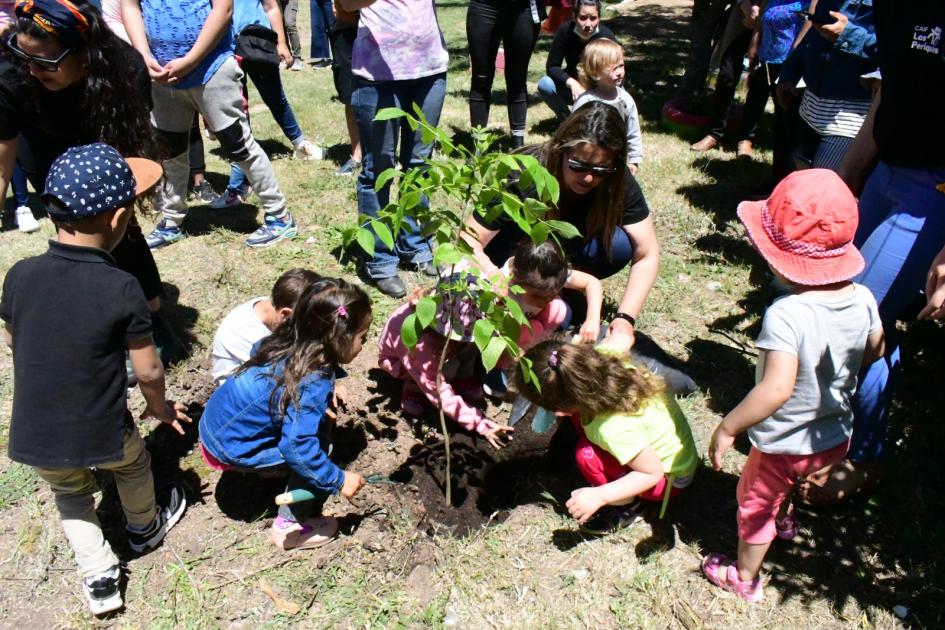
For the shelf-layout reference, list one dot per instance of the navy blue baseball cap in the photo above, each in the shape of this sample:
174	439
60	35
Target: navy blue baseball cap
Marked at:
94	178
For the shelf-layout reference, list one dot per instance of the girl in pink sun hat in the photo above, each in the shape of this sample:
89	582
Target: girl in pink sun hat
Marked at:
812	344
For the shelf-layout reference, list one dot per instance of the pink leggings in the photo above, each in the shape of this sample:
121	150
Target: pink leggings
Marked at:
765	482
600	467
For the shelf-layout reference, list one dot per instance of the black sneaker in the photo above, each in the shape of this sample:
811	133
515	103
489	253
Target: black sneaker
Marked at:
168	514
612	518
391	287
321	63
104	591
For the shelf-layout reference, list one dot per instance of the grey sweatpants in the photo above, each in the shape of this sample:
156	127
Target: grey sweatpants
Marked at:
220	102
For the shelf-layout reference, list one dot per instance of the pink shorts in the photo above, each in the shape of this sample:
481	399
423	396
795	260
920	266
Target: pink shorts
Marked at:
600	467
213	462
765	482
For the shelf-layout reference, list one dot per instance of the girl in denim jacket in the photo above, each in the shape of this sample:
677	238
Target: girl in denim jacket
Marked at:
273	413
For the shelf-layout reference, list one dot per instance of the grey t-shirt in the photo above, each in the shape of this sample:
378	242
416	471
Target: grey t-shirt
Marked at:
828	336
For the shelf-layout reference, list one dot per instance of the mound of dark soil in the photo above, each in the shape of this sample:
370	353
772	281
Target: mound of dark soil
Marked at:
486	483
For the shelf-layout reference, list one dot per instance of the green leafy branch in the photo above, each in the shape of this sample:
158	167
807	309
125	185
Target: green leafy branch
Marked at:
440	196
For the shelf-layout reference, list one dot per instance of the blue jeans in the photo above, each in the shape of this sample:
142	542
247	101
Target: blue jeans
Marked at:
21	194
379	141
322	21
266	79
589	257
902	228
557	96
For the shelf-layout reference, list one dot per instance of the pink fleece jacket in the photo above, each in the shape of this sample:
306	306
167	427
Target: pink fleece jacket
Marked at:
419	363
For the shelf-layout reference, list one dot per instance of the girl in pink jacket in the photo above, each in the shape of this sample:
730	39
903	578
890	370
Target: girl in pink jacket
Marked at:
542	271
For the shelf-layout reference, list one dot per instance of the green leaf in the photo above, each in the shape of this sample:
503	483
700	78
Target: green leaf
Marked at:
563	229
365	239
385	177
539	233
447	255
389	113
426	311
516	311
383	233
554	188
408	331
483	330
492	353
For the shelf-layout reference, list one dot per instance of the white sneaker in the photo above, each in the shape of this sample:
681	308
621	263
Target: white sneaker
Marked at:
297	66
25	221
231	198
103	591
308	150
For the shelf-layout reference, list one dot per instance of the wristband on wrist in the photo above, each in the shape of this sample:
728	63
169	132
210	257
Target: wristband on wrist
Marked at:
628	317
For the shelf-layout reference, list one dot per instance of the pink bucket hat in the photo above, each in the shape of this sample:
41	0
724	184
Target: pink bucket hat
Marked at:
805	229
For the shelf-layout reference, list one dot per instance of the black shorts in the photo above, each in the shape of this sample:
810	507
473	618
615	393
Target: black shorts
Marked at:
342	43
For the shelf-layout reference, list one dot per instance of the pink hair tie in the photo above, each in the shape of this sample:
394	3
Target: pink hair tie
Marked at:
553	359
342	312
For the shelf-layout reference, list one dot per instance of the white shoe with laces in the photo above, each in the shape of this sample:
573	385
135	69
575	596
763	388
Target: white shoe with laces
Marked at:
25	221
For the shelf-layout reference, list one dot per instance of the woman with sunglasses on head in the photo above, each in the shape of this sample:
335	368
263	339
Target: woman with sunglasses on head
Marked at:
66	80
599	196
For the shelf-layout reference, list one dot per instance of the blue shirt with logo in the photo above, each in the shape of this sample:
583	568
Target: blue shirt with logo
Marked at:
173	26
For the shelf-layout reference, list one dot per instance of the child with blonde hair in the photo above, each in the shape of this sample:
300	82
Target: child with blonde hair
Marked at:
635	442
601	71
813	343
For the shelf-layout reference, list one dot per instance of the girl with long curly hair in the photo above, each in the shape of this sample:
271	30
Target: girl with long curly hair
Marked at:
635	442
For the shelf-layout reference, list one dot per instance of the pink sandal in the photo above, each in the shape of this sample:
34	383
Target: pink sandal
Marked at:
723	573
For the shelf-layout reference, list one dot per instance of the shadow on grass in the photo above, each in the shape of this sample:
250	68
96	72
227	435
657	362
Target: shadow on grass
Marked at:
166	448
874	549
730	182
179	321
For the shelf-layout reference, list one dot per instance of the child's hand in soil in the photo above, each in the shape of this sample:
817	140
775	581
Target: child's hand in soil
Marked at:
496	432
352	484
339	399
584	502
172	413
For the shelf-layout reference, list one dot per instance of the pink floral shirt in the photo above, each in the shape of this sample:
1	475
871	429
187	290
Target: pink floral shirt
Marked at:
399	40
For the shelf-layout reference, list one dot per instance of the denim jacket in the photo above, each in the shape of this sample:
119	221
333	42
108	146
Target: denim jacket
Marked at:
240	428
833	70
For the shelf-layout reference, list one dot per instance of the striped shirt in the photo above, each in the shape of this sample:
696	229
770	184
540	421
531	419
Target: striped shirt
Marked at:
834	116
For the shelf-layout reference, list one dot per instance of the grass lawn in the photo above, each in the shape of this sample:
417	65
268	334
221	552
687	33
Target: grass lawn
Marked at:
397	565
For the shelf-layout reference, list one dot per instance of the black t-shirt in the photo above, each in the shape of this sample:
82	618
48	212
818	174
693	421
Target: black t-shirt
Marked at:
71	313
576	213
910	36
49	122
567	47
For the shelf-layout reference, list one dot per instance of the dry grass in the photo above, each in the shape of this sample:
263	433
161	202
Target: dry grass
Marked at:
847	570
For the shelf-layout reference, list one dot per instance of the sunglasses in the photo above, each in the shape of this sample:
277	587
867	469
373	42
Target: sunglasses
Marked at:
597	171
48	65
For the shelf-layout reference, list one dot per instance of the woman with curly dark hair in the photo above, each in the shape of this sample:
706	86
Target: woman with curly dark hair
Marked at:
67	80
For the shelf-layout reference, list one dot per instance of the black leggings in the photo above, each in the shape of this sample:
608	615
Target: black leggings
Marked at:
487	24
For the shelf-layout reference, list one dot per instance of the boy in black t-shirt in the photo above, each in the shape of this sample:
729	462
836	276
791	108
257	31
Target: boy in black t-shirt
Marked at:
69	316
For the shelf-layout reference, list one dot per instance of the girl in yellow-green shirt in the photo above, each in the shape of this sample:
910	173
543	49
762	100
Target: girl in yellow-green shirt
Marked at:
635	442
